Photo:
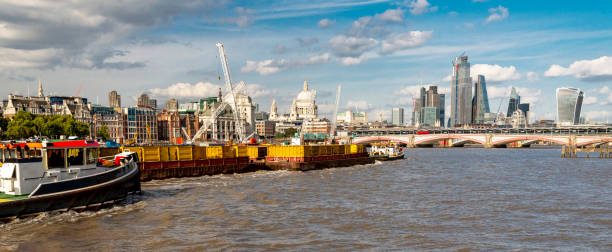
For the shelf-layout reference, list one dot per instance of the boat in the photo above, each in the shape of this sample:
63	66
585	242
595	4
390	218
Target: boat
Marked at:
63	175
386	151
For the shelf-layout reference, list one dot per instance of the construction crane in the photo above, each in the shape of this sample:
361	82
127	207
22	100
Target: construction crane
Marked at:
208	122
335	115
228	84
79	90
229	100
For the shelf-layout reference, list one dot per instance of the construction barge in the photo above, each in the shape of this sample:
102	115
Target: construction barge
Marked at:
163	162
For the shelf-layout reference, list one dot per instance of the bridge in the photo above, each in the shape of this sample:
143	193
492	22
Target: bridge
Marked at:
488	138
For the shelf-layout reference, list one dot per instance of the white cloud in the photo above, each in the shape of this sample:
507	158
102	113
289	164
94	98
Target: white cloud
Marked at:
187	90
528	95
391	15
598	115
532	76
497	14
418	7
415	90
265	67
349	61
324	23
589	100
588	70
405	40
360	105
82	34
374	114
271	66
343	46
245	17
604	90
494	73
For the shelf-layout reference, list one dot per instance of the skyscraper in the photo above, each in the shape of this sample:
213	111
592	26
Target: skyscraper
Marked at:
480	103
461	93
172	105
524	107
143	100
513	102
153	103
397	116
442	109
114	99
428	109
569	104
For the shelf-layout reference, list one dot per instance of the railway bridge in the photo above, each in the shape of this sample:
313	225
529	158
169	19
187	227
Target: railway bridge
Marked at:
487	140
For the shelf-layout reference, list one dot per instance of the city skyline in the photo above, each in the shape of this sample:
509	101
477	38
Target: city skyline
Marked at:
381	51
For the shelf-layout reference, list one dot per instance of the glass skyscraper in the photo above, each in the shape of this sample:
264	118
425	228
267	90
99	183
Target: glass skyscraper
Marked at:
480	103
569	104
513	103
461	93
397	118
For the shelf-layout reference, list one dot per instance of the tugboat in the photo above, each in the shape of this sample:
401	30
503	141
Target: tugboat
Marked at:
49	176
386	151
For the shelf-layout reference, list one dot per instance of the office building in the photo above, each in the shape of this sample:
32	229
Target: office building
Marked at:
172	105
428	109
569	104
141	124
397	116
114	99
143	100
513	102
153	103
461	93
480	102
265	128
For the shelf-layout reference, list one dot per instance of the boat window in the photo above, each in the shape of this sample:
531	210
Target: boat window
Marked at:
56	158
92	155
75	157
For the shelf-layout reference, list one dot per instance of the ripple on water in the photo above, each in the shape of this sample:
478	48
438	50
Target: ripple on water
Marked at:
436	199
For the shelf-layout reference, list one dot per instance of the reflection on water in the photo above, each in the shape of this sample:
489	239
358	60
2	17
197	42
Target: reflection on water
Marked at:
436	199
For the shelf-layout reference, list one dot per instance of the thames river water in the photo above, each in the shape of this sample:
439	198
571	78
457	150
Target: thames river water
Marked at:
436	199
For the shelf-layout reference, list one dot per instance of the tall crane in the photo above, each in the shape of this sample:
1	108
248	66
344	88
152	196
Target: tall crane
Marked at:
335	115
228	84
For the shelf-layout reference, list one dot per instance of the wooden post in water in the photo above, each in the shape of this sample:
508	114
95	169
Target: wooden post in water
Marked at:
563	151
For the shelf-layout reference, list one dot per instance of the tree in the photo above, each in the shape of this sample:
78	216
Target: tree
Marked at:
4	123
290	132
22	126
103	133
25	125
3	126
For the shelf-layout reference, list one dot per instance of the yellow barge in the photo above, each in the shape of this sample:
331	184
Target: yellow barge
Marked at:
161	162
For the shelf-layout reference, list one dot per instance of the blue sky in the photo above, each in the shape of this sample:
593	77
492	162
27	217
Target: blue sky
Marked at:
380	51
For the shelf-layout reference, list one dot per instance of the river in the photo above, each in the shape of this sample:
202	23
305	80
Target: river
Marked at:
436	199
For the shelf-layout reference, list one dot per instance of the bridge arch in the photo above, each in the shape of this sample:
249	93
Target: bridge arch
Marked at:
528	137
433	138
373	139
595	141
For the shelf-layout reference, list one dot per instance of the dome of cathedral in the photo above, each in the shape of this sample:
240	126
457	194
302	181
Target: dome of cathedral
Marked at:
305	96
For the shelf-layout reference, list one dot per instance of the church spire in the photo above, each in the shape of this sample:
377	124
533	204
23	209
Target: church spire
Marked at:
40	89
220	97
305	85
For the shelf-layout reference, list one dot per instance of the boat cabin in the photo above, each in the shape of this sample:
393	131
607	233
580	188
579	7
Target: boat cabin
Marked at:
26	165
385	149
